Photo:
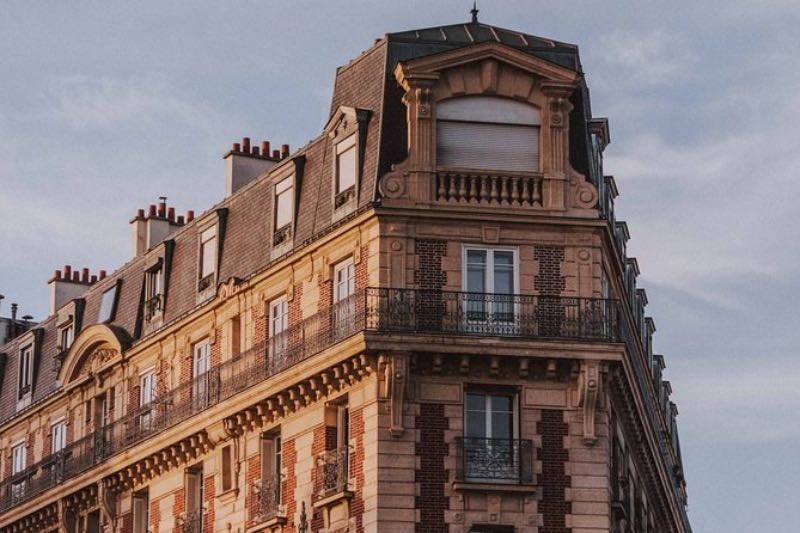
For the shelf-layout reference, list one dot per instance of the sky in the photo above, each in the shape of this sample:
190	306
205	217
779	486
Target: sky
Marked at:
105	106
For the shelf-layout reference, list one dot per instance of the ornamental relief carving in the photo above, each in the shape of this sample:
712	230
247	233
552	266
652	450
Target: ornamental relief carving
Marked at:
96	360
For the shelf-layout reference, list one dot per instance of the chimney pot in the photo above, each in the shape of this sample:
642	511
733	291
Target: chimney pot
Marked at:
140	214
93	279
102	274
180	220
276	154
256	150
246	144
285	150
162	209
68	271
189	215
57	274
265	148
236	147
152	211
85	275
76	276
171	214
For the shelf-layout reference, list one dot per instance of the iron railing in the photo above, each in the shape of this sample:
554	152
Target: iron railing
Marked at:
372	309
483	314
332	474
192	522
267	493
481	460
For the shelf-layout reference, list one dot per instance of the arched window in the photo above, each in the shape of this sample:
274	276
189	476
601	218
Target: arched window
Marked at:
487	133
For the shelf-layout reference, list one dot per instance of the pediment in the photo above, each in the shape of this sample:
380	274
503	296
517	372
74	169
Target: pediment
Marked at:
431	67
97	348
345	119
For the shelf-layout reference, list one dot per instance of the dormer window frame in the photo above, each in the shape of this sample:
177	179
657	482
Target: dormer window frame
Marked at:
347	130
206	276
283	200
346	153
66	334
109	301
154	291
25	371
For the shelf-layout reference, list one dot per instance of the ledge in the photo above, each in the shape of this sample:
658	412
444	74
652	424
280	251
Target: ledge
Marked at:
333	498
495	487
267	525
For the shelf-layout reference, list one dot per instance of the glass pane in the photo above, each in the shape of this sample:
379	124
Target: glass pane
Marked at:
476	257
504	258
476	281
476	424
501	404
107	304
283	209
476	402
208	258
346	170
501	425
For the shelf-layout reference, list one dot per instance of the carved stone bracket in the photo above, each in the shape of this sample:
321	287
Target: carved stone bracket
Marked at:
589	385
396	383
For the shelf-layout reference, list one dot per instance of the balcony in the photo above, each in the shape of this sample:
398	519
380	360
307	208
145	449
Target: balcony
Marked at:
191	522
380	310
494	461
456	186
332	475
267	494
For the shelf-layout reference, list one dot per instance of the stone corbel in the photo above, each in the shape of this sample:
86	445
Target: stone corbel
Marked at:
107	505
396	383
589	385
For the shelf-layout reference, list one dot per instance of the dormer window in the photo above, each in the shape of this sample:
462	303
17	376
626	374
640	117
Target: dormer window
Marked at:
25	380
154	290
66	334
108	304
284	200
487	133
208	258
346	170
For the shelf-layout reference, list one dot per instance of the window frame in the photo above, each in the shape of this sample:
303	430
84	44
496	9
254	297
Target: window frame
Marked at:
67	328
349	143
21	457
25	371
282	188
58	435
108	302
205	279
490	270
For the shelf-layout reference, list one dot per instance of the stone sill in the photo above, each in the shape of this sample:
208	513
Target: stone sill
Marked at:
495	487
333	498
268	525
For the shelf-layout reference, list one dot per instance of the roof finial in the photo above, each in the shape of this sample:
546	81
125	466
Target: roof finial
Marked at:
474	12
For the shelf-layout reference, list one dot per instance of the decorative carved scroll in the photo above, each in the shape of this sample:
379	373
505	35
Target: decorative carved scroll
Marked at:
396	377
589	384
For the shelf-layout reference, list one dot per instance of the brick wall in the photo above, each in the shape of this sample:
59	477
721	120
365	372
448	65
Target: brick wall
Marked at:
155	516
549	280
209	490
319	444
252	475
178	508
431	475
126	523
553	479
357	467
429	273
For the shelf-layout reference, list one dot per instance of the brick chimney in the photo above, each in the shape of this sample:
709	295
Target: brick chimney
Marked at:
154	225
243	163
68	284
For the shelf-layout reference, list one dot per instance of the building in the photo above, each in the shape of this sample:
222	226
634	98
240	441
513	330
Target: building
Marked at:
424	320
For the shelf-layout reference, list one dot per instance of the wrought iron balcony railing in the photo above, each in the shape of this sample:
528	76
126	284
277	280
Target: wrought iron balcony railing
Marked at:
372	309
192	522
482	460
267	494
332	474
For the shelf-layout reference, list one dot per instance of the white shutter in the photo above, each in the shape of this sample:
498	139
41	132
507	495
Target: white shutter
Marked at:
485	146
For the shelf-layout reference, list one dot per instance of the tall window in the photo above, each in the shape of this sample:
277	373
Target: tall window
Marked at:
18	459
154	288
278	329
344	288
284	198
66	335
208	257
489	283
346	164
193	520
58	436
491	450
482	132
270	483
201	364
147	394
141	511
25	371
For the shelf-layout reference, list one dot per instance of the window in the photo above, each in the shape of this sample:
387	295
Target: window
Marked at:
141	504
490	281
344	288
58	436
489	133
278	329
108	305
66	335
227	468
201	365
346	164
147	394
270	483
153	288
284	198
193	519
25	371
18	459
208	257
491	449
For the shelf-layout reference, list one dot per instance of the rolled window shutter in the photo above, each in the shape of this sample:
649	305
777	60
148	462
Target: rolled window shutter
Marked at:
485	146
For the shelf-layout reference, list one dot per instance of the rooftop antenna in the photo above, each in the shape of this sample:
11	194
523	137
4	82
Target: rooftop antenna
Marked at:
474	12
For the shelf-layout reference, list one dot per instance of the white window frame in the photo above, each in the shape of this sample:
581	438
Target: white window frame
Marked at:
201	366
278	327
141	511
284	191
473	320
19	457
108	304
344	289
486	447
25	377
208	237
154	282
67	329
348	268
58	435
342	147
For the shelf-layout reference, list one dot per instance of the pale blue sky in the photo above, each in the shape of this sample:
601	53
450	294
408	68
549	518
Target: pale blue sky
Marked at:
104	106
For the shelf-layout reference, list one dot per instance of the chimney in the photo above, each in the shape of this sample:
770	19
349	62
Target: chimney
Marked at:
67	285
243	163
154	227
